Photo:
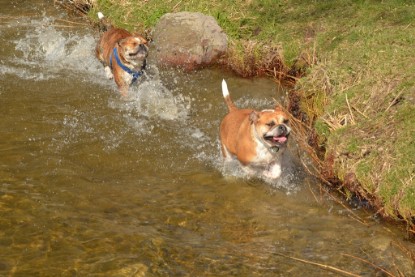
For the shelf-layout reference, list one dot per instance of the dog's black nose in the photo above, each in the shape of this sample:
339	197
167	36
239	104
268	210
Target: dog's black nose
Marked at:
282	129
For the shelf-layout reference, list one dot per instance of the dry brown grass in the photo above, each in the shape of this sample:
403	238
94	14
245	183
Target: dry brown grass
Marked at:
253	58
80	7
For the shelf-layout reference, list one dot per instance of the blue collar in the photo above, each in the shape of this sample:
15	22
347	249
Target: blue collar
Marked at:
135	74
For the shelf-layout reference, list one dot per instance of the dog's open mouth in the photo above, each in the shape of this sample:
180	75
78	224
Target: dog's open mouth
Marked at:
277	140
133	54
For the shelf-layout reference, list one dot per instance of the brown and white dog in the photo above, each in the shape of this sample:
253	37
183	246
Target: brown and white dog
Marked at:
256	138
123	55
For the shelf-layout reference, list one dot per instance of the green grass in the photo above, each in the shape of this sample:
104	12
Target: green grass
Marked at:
359	90
369	57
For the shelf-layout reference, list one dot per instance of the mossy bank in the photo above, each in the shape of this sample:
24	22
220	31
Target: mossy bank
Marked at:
353	63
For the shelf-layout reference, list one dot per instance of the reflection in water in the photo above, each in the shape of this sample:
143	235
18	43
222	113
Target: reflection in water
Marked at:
92	184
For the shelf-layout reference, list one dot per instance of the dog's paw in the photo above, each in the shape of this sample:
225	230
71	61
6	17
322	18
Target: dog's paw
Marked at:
108	72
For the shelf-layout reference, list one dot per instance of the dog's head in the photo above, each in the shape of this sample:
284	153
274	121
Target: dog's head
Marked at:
134	50
271	127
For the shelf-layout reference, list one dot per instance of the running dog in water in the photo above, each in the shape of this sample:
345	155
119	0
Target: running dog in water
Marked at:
123	55
256	138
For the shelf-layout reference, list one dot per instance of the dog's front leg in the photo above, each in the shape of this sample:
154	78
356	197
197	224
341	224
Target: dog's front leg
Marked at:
108	72
122	85
123	90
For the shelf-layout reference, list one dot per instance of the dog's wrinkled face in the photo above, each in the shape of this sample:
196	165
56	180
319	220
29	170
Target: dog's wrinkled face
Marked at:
134	50
272	127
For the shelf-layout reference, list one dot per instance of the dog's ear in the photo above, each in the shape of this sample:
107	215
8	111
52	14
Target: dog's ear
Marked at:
141	38
253	117
122	42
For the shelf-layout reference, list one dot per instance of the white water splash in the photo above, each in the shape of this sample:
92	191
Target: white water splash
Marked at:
288	181
47	53
150	101
153	99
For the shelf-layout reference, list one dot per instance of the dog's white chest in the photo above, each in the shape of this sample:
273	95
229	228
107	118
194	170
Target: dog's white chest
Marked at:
268	160
264	155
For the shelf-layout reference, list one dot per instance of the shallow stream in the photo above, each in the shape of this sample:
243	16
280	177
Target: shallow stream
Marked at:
94	185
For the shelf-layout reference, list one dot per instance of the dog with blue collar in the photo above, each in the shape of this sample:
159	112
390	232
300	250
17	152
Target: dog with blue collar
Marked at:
124	56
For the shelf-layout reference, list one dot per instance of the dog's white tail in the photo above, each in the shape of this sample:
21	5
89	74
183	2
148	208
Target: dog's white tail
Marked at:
100	15
225	90
228	100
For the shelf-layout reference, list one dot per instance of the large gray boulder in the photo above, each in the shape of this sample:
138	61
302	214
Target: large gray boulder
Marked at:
189	40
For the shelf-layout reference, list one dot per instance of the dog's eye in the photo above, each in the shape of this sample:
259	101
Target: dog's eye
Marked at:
270	124
286	121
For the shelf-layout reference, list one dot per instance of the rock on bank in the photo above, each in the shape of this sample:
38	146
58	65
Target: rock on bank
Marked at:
188	40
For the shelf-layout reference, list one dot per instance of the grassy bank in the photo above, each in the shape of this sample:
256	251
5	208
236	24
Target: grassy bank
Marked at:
358	90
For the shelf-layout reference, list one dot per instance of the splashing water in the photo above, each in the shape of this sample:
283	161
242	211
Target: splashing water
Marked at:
51	53
151	99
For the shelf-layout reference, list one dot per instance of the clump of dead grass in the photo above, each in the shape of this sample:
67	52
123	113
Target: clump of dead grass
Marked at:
79	7
252	58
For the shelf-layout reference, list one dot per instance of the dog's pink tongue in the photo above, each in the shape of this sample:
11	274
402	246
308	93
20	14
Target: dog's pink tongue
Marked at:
280	139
